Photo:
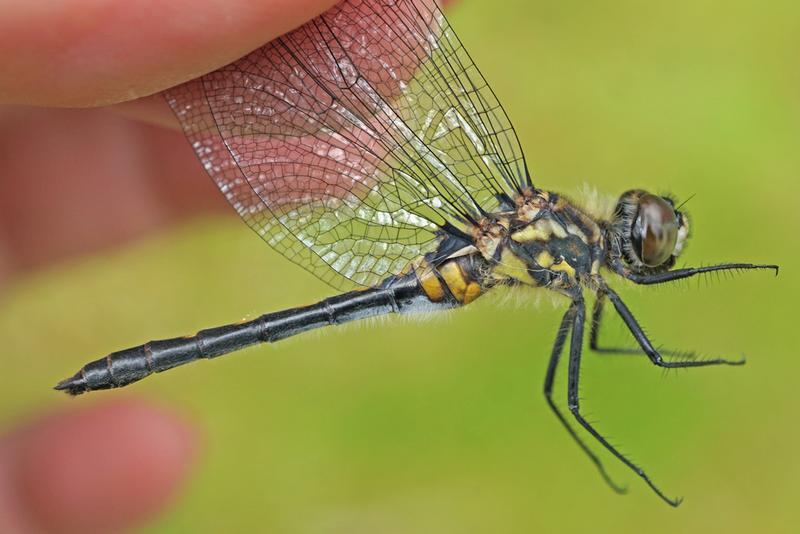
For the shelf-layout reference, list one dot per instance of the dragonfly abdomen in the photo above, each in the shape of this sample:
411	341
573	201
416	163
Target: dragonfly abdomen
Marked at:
397	294
458	280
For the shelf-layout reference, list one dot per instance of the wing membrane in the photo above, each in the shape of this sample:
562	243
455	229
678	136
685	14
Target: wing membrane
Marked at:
350	143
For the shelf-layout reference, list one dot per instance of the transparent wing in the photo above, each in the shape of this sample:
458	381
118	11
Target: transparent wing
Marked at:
353	143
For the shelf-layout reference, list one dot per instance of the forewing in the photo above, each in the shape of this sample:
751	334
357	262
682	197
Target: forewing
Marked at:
352	143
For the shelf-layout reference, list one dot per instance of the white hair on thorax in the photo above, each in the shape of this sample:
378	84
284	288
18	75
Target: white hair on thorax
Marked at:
593	202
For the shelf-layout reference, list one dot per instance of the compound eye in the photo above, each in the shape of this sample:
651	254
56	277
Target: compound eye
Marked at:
655	231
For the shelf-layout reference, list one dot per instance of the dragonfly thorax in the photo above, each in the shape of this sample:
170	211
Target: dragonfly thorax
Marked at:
545	241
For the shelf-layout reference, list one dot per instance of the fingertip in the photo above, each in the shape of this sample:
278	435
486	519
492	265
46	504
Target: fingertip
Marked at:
102	467
96	52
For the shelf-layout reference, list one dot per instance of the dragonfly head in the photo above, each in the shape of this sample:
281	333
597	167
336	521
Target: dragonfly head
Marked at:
649	230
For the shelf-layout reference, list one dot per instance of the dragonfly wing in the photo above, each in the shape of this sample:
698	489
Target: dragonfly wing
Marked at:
355	142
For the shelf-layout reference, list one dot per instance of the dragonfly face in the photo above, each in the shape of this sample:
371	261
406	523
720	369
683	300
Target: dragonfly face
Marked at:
367	147
649	232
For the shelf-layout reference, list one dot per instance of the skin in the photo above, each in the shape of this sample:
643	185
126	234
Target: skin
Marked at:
101	52
97	467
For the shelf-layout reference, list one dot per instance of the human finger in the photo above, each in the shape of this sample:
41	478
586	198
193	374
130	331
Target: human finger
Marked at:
99	52
98	468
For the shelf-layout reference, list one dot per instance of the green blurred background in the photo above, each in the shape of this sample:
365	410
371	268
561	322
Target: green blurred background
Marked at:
359	430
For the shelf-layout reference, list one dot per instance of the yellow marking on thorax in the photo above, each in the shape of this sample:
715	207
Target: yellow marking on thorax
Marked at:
541	230
530	233
574	230
546	260
564	266
589	223
557	229
511	266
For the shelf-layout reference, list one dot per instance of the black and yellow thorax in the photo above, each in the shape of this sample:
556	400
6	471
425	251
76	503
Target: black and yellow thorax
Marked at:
544	241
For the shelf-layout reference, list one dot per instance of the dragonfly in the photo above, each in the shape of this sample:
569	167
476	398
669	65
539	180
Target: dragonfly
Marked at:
367	147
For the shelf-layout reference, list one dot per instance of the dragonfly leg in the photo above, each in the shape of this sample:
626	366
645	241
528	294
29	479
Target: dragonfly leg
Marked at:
647	347
594	334
558	346
680	274
573	399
